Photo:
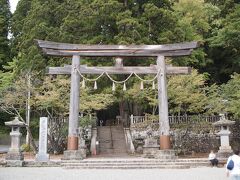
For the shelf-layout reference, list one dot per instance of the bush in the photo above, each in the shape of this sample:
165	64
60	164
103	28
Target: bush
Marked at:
87	121
26	148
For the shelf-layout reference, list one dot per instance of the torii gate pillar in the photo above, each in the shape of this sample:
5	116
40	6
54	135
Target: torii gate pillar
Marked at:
163	105
74	105
72	147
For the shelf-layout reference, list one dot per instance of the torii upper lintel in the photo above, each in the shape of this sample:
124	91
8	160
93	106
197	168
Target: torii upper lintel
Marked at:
68	50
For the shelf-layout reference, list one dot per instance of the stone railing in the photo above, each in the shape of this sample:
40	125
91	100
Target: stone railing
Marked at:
176	119
190	119
138	119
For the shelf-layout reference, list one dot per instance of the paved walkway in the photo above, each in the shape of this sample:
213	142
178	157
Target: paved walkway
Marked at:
205	173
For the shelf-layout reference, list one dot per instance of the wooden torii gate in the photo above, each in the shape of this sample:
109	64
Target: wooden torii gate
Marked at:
76	51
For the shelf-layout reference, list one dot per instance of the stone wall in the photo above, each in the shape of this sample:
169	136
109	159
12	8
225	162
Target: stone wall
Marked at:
235	137
187	141
186	138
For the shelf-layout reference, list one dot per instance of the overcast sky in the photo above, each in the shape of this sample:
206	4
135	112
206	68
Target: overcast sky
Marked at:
13	4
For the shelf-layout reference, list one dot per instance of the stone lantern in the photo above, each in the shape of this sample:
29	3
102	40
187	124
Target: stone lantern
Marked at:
225	149
14	156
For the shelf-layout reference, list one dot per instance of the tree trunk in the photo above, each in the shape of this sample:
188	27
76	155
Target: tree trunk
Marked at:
121	110
32	143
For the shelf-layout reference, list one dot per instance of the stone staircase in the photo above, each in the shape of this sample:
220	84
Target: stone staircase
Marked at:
111	141
113	155
134	163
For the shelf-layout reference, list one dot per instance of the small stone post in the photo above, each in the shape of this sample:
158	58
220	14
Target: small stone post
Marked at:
131	117
225	149
42	155
14	156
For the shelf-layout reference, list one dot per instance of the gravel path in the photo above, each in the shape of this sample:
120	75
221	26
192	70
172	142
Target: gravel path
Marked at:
204	173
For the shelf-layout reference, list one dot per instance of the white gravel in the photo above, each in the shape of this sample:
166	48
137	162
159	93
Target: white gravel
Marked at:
58	173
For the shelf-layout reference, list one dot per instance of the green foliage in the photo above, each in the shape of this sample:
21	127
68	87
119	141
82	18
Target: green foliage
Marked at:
26	148
87	120
146	98
122	22
224	43
53	95
231	93
186	93
194	23
215	103
13	97
5	15
194	19
93	101
228	37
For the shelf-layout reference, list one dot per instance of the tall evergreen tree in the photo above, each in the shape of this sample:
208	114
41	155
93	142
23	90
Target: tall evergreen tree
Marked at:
4	24
224	47
17	24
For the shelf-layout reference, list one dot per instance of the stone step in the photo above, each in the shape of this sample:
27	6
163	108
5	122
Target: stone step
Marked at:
113	150
137	159
153	161
133	164
111	140
106	151
130	167
104	136
106	146
105	143
120	152
117	131
118	139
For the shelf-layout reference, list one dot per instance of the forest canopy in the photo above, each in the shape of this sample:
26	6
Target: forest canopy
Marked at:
216	63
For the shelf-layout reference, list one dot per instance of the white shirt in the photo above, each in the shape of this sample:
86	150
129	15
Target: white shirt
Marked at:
211	156
236	168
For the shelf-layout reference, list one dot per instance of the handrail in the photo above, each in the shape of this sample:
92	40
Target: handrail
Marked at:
93	147
129	142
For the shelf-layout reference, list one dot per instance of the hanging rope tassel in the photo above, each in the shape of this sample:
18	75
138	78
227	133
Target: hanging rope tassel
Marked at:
113	87
153	85
83	84
124	87
141	86
95	85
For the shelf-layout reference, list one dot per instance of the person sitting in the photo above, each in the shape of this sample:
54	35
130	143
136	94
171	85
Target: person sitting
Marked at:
213	159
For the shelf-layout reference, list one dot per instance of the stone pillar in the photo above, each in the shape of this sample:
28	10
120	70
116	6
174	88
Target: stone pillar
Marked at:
163	105
42	155
72	147
14	156
131	117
